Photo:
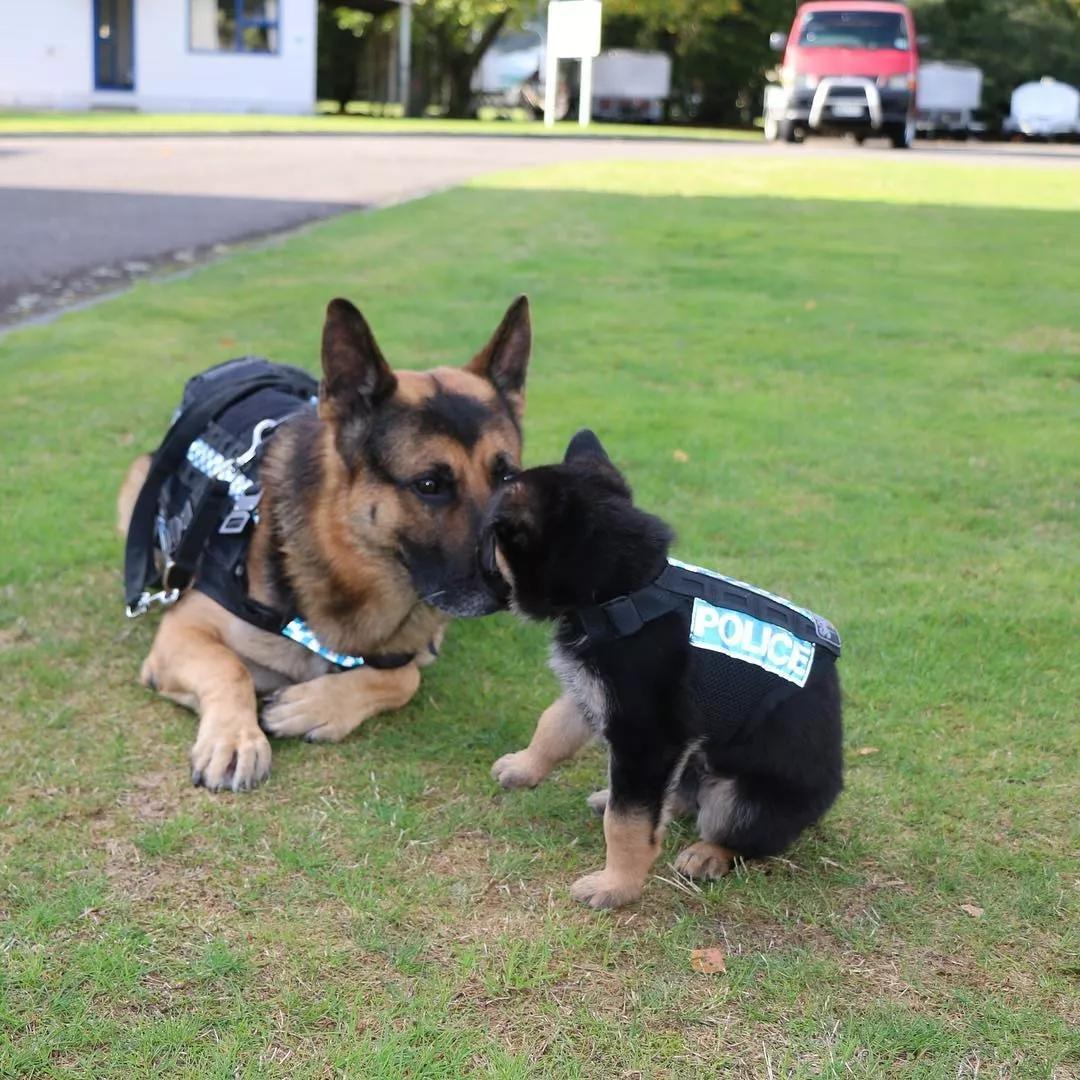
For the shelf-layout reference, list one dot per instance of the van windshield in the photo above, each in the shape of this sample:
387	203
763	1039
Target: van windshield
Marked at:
854	30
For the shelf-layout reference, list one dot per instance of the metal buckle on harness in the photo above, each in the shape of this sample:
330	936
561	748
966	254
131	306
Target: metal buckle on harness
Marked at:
262	429
166	598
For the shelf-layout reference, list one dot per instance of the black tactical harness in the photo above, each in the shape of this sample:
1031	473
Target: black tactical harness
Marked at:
195	514
749	649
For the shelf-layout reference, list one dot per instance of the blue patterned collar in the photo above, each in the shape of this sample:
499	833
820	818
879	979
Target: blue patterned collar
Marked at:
298	630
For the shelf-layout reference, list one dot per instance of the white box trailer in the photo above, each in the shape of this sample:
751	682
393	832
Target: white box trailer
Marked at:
1045	109
631	84
949	95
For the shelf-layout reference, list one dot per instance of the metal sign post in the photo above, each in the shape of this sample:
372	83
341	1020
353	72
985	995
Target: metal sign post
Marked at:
573	33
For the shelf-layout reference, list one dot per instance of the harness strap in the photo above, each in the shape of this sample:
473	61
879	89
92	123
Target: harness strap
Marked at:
626	615
139	567
205	518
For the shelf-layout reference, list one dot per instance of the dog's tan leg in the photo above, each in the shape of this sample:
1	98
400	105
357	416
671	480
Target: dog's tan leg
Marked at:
129	491
331	706
633	842
560	734
189	663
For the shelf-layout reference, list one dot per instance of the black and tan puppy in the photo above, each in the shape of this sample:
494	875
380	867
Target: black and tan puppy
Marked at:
368	526
713	696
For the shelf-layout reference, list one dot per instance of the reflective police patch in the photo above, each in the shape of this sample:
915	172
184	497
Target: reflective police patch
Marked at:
742	637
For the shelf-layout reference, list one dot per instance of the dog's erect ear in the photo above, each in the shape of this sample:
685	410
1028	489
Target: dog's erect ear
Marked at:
356	377
586	449
504	360
583	445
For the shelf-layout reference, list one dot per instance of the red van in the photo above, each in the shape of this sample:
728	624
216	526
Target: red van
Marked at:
849	67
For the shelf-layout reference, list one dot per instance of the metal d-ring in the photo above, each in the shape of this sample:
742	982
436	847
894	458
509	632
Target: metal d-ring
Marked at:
262	428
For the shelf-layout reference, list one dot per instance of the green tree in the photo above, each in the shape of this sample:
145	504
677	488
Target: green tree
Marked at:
456	34
340	30
719	49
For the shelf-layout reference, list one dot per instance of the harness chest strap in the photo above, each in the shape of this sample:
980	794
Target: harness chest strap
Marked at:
677	583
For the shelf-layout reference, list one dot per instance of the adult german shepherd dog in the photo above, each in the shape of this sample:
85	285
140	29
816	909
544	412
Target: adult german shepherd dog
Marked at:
369	521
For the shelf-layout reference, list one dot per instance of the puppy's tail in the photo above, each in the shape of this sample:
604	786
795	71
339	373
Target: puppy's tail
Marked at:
129	492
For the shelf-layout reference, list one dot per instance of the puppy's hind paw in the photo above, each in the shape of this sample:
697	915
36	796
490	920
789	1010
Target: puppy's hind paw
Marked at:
704	860
605	890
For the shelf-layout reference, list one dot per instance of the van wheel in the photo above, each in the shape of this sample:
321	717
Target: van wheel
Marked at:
902	135
788	132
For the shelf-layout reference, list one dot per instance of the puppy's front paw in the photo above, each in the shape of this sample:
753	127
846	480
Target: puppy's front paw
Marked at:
604	890
224	760
704	860
303	711
598	800
518	770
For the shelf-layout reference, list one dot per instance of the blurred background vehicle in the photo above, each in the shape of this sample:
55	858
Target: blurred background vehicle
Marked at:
631	84
1046	109
948	99
848	68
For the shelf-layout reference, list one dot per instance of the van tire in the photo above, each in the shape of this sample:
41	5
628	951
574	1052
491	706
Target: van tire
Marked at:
788	132
902	135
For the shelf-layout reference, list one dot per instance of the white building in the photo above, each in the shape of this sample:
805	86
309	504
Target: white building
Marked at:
159	55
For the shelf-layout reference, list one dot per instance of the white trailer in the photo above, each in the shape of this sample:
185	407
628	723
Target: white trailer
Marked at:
1045	109
949	95
631	84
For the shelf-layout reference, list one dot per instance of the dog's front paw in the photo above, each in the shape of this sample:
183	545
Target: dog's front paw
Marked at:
518	770
605	890
704	860
224	760
303	711
598	800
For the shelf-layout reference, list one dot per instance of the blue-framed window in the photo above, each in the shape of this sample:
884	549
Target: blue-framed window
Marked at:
233	26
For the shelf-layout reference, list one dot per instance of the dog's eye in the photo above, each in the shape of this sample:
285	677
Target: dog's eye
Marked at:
503	472
430	486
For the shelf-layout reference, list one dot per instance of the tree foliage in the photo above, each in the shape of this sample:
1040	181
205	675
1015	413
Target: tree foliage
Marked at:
719	49
340	30
456	34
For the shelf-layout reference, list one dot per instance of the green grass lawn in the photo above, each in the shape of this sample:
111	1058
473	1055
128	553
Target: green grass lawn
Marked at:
855	384
106	122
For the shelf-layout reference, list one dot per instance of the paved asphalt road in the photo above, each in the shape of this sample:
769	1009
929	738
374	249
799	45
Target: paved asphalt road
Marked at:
83	215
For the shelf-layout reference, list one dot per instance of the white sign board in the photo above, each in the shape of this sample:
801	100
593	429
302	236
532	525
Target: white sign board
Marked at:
574	28
573	33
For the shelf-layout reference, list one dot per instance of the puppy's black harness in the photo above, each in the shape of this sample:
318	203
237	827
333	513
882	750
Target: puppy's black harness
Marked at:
194	516
749	648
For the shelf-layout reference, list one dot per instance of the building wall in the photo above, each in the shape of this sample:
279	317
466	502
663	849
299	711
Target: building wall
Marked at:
46	61
46	56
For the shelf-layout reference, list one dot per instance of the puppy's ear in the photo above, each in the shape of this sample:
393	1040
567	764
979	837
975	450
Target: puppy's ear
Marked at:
356	378
586	449
504	360
585	444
